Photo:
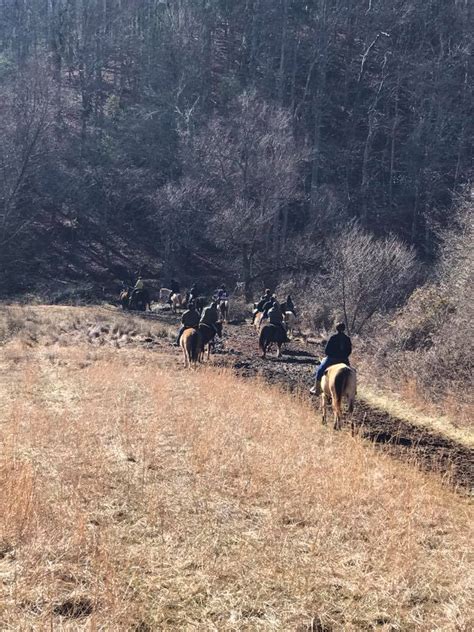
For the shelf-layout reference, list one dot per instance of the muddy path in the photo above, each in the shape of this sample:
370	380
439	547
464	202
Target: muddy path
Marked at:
427	449
402	439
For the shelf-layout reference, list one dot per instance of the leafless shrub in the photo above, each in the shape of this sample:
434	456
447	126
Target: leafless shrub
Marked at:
368	275
430	341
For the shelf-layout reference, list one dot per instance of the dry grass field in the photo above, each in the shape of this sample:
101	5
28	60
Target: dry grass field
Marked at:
139	496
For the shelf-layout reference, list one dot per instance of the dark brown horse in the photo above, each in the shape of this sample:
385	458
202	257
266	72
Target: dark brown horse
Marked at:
207	336
271	333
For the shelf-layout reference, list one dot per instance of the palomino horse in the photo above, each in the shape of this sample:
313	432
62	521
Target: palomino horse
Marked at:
290	320
191	344
271	333
176	301
257	321
224	309
339	381
207	337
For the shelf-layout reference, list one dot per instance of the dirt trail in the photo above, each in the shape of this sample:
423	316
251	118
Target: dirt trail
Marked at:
239	352
402	439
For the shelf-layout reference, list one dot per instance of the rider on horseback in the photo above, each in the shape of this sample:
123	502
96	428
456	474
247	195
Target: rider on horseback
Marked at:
190	319
139	285
174	289
138	289
275	316
289	306
338	349
210	315
269	304
222	294
259	306
192	294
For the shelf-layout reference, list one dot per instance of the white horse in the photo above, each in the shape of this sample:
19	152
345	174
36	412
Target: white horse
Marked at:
165	294
176	301
290	321
224	309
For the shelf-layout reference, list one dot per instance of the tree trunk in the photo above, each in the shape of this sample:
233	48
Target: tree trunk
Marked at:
247	273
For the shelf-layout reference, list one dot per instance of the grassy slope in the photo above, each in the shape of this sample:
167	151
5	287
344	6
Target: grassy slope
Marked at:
145	497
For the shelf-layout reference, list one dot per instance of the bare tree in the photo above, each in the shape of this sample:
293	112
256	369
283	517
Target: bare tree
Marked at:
24	119
368	275
251	166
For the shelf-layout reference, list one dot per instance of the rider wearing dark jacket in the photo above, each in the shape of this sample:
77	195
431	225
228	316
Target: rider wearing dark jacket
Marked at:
268	305
193	293
189	319
263	299
289	306
210	315
174	287
339	345
259	306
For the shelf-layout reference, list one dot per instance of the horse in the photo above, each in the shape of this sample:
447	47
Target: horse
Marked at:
165	294
339	381
290	320
271	333
257	321
124	297
176	301
191	344
224	309
207	336
139	300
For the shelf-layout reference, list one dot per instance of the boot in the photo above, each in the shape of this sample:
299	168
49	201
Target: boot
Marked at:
316	389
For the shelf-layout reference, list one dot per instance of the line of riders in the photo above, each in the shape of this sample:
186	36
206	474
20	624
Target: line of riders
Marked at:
267	309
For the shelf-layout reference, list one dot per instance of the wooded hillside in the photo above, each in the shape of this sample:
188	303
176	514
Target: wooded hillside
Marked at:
225	138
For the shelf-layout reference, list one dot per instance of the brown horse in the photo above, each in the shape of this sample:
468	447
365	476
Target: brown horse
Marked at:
191	344
207	337
124	297
271	333
339	381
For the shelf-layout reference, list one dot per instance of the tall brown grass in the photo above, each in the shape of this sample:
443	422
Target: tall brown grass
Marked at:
138	496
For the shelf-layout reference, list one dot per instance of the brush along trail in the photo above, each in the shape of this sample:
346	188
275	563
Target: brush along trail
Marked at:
239	352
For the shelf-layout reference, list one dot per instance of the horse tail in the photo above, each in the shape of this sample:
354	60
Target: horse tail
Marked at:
262	339
340	383
195	346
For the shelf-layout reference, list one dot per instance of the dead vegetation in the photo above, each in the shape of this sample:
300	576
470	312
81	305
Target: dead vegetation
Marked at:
137	496
62	325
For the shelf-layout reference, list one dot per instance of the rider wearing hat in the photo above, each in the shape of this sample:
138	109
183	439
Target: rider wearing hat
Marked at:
259	306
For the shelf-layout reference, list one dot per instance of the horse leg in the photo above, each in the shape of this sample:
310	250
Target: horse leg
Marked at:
324	407
336	403
279	349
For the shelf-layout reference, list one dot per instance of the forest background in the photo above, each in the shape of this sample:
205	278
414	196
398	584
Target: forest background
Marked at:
320	146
